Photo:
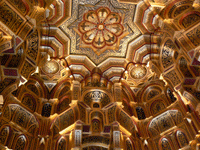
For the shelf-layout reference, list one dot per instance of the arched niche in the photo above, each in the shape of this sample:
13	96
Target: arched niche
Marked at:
32	87
46	110
62	88
20	116
126	121
184	68
151	91
35	84
129	145
127	93
189	19
96	105
174	8
165	144
96	95
181	138
96	126
61	144
127	107
4	135
140	113
97	121
167	54
64	120
170	95
63	104
164	121
21	143
157	106
29	101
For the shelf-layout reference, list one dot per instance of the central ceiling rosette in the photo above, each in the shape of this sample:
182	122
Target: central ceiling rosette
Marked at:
101	30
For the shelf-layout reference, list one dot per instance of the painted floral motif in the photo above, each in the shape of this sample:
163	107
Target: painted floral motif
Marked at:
101	28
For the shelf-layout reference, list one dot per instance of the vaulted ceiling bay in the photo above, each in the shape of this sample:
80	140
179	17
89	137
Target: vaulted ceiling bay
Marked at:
99	74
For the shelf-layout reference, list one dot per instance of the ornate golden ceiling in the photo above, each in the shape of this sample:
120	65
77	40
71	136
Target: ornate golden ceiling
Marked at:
99	74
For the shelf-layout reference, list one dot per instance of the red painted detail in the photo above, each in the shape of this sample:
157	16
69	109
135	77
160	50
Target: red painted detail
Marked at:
10	72
9	51
189	81
191	53
18	41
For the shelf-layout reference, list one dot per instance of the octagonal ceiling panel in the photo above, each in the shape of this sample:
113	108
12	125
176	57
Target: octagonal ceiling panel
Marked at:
100	29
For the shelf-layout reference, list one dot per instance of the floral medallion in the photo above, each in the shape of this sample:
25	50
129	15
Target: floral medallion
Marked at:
101	30
138	72
52	70
51	67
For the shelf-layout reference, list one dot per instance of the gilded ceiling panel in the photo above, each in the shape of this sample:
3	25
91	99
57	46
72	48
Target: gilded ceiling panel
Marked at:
100	29
99	74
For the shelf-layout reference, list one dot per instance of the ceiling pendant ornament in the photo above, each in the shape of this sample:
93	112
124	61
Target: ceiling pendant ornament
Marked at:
137	74
51	67
52	70
101	30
